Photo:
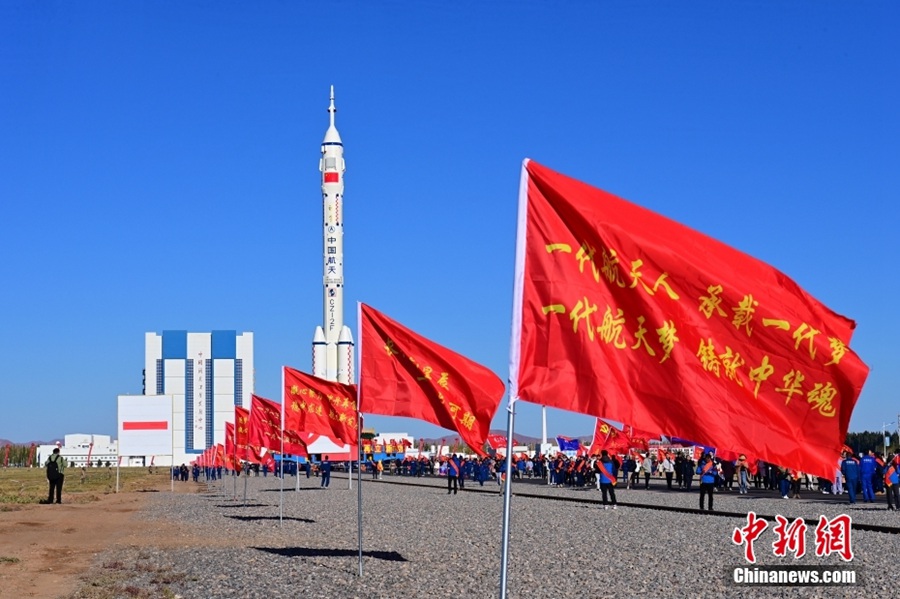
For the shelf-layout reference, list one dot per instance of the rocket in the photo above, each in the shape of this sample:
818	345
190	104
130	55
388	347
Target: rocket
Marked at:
333	342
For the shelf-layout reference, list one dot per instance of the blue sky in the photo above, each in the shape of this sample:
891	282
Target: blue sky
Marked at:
159	170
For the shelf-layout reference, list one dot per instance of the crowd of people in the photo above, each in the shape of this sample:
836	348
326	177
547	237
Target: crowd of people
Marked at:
864	477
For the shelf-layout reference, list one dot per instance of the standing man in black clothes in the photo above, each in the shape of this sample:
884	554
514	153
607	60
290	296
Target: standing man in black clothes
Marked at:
55	466
326	471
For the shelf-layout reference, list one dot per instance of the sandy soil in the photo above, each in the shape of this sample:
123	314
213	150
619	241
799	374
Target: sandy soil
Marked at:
44	549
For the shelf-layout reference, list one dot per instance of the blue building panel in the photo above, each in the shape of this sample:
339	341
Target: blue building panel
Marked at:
189	406
239	383
209	404
160	376
224	345
174	345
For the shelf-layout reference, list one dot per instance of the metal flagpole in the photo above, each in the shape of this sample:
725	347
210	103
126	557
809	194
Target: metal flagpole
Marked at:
504	551
544	436
359	427
281	494
359	521
514	349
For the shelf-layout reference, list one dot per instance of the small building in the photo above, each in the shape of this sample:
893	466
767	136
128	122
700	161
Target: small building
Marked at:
77	447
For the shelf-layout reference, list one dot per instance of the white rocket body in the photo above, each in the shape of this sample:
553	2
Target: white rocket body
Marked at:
333	341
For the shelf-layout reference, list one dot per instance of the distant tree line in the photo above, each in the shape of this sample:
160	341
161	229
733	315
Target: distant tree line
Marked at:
18	456
866	440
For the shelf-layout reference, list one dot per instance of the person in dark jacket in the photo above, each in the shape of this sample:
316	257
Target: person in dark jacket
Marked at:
325	466
55	475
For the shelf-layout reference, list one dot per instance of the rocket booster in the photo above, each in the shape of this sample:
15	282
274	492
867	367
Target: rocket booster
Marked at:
333	341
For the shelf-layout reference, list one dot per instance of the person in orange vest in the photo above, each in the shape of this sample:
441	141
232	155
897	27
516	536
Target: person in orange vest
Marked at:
796	476
606	475
892	483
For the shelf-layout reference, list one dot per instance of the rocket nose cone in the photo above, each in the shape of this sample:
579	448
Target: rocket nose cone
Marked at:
346	336
319	335
332	136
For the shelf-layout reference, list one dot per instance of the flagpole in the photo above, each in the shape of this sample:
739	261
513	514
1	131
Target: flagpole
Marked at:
234	459
359	427
281	494
544	435
514	354
504	551
359	521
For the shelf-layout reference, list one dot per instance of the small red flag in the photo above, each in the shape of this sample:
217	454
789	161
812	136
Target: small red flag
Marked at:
265	429
314	405
405	374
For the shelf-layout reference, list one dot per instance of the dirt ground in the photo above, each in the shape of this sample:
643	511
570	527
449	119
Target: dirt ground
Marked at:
44	549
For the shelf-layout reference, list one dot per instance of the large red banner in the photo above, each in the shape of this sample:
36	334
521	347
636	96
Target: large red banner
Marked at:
405	374
623	313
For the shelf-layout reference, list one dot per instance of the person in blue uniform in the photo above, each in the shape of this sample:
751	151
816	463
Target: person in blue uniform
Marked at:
707	471
867	467
605	468
453	471
325	466
850	470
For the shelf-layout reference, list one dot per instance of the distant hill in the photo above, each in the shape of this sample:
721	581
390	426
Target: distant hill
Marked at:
522	439
4	442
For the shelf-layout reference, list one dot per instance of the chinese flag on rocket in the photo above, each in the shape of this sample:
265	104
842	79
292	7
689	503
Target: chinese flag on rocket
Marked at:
623	313
405	374
314	405
265	429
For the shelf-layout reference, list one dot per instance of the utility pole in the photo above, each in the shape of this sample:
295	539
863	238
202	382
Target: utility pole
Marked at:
884	437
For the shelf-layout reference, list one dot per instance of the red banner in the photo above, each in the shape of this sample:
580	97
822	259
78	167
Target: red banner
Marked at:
405	374
265	429
627	314
242	437
498	441
314	405
231	458
610	438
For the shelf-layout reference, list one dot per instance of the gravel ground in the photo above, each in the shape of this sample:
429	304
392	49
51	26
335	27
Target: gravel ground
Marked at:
420	542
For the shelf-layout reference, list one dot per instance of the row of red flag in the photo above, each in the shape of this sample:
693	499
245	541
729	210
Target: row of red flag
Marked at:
402	374
619	313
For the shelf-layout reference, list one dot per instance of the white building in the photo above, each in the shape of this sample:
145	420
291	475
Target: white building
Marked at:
77	447
207	374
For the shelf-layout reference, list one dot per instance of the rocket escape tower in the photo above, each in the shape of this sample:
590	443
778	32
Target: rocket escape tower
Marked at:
332	355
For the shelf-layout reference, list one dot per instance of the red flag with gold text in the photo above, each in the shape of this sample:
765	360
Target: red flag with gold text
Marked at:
623	313
265	429
404	374
314	405
232	460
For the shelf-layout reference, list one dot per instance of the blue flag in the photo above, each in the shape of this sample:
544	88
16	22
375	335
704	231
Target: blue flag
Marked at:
567	444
